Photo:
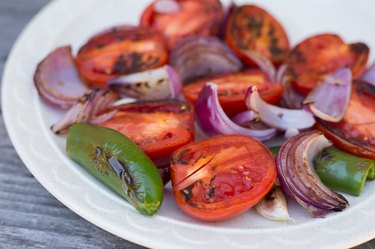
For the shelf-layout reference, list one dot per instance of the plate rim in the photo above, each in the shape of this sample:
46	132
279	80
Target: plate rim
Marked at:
29	163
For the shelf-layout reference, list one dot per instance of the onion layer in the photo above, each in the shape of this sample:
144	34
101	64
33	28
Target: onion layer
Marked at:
330	99
214	121
197	56
57	80
275	116
91	108
157	84
263	63
273	206
298	178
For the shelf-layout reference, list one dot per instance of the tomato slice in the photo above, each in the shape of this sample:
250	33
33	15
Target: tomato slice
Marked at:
356	132
157	127
120	50
312	59
221	177
187	17
232	89
252	28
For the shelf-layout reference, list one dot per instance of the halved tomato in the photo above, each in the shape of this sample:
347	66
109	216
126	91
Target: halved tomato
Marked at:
312	59
220	177
252	28
179	18
120	50
232	89
157	127
356	132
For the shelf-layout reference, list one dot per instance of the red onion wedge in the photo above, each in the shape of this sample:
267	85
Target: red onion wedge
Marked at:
273	206
369	75
298	178
57	80
330	99
275	116
263	63
156	84
166	7
90	108
197	56
244	117
213	120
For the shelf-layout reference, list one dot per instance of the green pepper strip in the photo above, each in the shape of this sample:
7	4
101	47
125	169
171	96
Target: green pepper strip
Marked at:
118	163
343	172
275	150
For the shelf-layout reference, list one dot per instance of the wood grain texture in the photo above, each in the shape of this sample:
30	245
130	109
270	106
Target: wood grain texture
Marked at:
30	217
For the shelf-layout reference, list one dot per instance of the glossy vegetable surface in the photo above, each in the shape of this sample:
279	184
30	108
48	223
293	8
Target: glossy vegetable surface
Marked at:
222	176
355	133
342	171
180	18
120	50
157	127
252	28
315	57
232	89
117	162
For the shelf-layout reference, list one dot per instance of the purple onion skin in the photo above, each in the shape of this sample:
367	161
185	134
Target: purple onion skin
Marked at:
319	201
369	75
198	56
213	120
176	82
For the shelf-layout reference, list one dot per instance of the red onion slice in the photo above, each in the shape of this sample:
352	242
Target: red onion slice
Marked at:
156	84
244	117
57	80
275	116
90	108
213	120
197	56
369	75
330	99
280	74
263	63
298	178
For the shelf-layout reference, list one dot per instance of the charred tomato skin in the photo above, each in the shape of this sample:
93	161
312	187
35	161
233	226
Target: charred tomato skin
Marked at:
120	50
315	57
222	176
355	133
157	127
195	17
252	28
232	88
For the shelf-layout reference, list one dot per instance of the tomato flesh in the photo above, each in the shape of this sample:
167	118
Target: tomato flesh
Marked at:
158	128
232	89
221	177
120	50
252	28
192	17
311	60
355	133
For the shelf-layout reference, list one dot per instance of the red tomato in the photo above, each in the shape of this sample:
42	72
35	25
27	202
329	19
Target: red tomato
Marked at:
232	89
120	50
252	28
157	127
183	17
312	59
221	177
355	133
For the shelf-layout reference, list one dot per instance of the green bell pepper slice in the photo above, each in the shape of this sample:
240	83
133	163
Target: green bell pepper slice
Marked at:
117	162
342	171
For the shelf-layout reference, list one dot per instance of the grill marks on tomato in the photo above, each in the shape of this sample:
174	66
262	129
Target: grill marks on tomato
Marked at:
312	59
253	28
122	50
221	176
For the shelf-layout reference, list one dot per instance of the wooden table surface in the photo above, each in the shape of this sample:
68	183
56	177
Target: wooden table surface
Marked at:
30	217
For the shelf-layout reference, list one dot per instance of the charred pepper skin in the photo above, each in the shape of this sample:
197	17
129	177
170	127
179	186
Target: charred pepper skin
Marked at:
117	162
342	171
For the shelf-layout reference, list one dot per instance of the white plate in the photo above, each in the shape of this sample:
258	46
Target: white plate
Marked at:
28	119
